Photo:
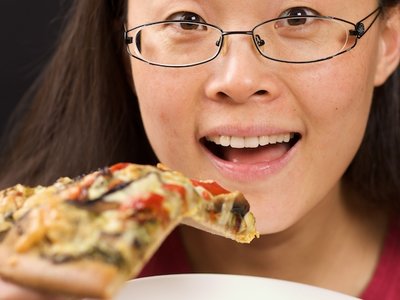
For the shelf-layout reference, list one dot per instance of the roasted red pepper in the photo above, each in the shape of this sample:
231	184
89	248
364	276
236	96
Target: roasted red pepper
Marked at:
211	186
148	207
118	166
176	188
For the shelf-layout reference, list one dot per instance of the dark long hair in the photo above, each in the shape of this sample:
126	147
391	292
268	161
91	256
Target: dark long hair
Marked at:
375	170
82	113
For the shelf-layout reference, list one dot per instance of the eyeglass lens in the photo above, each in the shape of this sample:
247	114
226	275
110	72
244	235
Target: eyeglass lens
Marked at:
294	39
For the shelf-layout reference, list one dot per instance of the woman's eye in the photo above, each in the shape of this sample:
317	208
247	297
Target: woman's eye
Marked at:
298	15
189	20
299	11
186	16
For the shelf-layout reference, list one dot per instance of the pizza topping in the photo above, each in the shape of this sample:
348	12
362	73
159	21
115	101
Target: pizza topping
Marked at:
35	232
104	185
176	188
109	215
115	217
11	200
149	207
240	207
118	166
112	188
152	202
211	186
133	188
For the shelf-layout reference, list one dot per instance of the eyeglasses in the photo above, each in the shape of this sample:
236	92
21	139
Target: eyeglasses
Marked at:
289	39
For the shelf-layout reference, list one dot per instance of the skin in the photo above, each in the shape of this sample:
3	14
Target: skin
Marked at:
241	93
301	206
321	101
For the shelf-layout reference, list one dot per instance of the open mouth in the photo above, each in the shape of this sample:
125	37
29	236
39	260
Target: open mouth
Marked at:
250	150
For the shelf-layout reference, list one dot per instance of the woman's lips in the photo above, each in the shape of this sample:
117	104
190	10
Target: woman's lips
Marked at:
247	158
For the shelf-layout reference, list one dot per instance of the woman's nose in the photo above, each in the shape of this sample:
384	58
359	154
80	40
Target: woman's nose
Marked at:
240	73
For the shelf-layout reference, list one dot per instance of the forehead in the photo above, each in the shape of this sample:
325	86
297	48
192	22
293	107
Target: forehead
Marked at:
154	10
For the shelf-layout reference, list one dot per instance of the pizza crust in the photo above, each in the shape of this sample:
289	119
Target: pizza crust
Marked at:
85	278
244	237
80	278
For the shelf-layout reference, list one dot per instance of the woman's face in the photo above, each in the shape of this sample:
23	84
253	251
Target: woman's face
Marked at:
243	97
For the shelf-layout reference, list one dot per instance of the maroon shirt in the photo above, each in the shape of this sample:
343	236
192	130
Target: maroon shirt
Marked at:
385	282
171	258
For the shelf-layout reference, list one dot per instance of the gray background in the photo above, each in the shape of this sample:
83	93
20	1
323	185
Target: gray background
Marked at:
28	31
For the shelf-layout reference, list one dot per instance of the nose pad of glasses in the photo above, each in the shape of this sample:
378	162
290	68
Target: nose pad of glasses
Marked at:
218	43
260	42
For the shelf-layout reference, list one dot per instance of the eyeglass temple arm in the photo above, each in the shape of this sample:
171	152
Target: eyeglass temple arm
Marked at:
359	28
127	39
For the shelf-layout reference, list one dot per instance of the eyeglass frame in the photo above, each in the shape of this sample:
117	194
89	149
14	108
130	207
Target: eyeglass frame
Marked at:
359	31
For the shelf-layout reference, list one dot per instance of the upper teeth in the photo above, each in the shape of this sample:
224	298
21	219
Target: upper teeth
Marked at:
249	141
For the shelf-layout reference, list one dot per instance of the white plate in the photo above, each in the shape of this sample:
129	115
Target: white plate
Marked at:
219	287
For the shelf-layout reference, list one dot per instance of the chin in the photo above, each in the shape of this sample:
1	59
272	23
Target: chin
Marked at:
271	221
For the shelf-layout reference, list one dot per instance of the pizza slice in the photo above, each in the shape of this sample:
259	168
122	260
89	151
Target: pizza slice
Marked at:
86	237
13	198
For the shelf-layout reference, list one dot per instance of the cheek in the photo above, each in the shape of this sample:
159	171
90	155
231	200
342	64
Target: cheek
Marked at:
340	90
337	115
165	100
336	99
333	103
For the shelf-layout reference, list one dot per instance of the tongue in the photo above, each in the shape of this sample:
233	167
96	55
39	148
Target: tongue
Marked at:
256	155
